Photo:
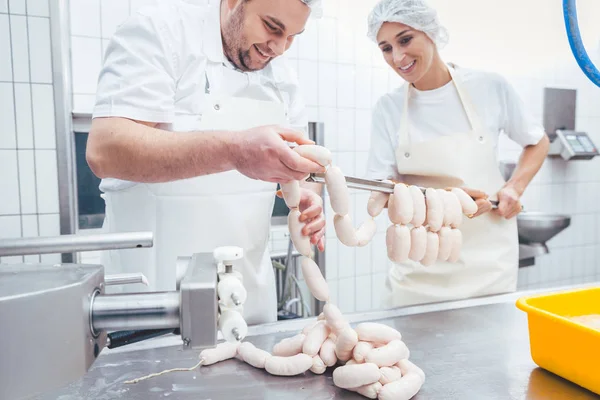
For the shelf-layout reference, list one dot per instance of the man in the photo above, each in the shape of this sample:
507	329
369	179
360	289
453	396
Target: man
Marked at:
192	116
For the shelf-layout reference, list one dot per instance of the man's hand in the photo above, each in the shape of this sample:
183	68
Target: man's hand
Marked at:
311	213
481	199
509	203
261	153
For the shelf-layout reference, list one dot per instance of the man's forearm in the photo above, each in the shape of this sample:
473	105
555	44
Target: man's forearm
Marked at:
529	164
124	149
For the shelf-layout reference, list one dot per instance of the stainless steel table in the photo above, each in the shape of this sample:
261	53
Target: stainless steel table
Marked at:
474	349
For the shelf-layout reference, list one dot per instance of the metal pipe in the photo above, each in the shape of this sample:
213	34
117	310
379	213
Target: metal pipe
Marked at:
125	279
115	312
74	243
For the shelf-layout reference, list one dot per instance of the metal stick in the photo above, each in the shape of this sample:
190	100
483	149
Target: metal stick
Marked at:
370	185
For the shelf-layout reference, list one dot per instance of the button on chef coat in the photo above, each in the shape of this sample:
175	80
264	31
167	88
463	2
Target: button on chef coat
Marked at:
155	70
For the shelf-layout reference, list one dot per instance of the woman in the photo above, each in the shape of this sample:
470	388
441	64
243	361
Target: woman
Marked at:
441	129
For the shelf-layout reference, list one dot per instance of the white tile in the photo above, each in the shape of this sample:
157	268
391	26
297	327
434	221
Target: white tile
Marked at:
378	290
50	226
12	260
360	169
43	116
331	257
85	18
363	257
38	8
345	86
106	42
3	6
345	43
20	50
292	53
363	87
363	130
327	85
362	290
86	64
567	260
345	130
27	182
41	55
113	14
327	44
137	4
330	8
24	118
9	182
10	227
362	49
8	136
5	52
346	163
47	181
312	113
347	261
328	116
17	6
308	42
308	71
379	84
379	254
30	229
84	103
346	295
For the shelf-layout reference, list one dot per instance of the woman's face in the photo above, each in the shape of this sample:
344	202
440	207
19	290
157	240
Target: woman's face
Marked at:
408	51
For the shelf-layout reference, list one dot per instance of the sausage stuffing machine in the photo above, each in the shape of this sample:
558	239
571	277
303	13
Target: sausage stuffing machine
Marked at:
56	319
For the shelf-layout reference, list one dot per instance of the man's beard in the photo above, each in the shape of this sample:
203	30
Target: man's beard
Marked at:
234	42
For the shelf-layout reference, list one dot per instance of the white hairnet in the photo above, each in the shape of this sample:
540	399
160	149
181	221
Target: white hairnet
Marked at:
414	13
316	7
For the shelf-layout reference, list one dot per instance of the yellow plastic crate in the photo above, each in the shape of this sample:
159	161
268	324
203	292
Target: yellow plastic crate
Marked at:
558	344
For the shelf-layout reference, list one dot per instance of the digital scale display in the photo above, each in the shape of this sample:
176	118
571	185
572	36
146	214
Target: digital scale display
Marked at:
580	144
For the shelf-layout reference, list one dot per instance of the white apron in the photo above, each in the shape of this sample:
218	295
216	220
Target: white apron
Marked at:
199	214
489	258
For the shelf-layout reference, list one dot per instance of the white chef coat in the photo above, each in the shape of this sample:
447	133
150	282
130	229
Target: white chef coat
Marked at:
439	112
157	59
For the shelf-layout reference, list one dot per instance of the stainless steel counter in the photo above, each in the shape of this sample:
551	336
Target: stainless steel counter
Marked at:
474	349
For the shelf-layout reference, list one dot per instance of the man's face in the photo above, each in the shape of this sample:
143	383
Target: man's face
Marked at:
256	31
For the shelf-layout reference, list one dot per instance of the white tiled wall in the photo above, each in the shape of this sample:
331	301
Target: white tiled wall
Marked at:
28	172
342	76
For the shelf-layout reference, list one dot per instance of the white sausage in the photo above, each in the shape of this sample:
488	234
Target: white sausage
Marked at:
334	318
339	196
400	207
291	193
356	375
390	374
419	209
314	279
361	350
418	243
456	245
344	230
457	215
407	366
223	351
319	154
369	391
469	207
435	209
376	203
289	366
403	389
253	355
377	333
318	366
365	232
346	341
388	355
228	286
289	346
445	243
327	353
301	242
315	338
398	243
432	250
447	207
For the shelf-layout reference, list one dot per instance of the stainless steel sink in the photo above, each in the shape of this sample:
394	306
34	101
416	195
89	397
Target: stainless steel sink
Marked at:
538	227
